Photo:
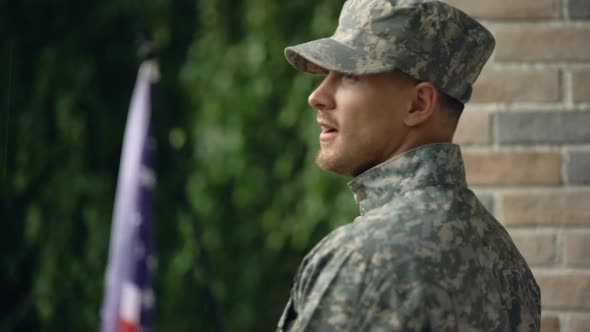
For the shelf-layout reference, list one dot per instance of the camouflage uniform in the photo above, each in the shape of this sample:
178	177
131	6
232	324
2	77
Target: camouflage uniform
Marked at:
424	255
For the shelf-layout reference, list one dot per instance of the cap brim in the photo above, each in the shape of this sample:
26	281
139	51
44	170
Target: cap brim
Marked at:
323	55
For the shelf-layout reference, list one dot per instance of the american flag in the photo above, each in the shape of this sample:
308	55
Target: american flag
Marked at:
128	296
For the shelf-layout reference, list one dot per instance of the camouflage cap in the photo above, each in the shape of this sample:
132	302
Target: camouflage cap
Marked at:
426	39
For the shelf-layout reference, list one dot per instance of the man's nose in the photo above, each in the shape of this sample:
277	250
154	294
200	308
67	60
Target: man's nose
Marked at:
322	98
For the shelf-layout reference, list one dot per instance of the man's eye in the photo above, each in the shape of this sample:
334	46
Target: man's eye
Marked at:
351	77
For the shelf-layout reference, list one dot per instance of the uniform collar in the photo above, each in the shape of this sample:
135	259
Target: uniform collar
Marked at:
428	165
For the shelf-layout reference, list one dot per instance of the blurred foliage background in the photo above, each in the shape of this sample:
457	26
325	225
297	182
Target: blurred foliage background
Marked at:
239	200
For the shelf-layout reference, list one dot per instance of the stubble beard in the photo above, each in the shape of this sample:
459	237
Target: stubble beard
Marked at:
348	162
334	162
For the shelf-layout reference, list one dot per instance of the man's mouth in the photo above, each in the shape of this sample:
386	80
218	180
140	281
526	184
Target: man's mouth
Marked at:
328	132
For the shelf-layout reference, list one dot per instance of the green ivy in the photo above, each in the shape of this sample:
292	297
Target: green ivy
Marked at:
239	200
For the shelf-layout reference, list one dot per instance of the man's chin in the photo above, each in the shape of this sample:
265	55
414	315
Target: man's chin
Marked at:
333	163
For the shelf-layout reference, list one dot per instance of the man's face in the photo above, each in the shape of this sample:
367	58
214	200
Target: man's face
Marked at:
361	119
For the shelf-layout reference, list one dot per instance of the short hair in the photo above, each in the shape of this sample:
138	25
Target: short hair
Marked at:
451	105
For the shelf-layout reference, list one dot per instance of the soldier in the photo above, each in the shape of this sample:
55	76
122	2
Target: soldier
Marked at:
424	254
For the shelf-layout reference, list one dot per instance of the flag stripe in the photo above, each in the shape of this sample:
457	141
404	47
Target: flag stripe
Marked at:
130	303
125	326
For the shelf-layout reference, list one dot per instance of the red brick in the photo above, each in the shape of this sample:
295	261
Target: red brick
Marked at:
541	43
550	208
511	168
577	249
509	9
581	85
578	322
516	85
549	324
537	248
564	291
474	128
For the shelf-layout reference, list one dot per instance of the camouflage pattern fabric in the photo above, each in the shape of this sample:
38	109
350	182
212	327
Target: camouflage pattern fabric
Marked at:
428	40
424	255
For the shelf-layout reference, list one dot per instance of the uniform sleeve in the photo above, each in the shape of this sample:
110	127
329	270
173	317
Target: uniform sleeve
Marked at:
358	292
413	307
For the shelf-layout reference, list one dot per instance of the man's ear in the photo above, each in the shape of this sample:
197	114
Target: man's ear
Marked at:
424	104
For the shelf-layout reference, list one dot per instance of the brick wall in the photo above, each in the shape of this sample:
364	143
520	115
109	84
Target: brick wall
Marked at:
526	142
